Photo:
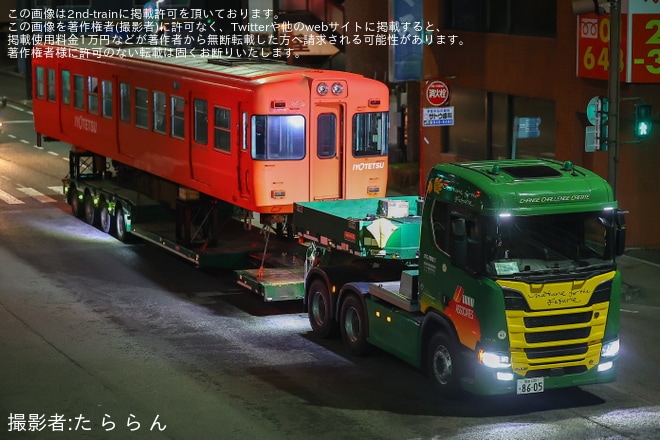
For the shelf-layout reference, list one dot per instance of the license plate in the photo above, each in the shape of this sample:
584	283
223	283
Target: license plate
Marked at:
530	386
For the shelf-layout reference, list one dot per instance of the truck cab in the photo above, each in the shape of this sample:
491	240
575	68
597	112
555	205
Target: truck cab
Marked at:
519	257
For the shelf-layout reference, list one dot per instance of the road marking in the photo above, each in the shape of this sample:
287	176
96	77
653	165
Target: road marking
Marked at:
12	136
24	141
53	153
38	147
43	198
8	198
57	189
26	121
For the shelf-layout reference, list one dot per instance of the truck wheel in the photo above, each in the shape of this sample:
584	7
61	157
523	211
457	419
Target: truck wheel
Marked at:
444	365
120	224
74	201
319	310
105	220
90	209
353	324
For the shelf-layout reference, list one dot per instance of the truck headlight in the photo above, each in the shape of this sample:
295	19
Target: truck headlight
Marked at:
493	359
610	349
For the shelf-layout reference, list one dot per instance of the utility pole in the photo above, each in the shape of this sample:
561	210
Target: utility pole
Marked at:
614	94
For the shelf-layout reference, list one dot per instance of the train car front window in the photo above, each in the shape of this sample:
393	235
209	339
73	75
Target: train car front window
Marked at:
370	134
279	137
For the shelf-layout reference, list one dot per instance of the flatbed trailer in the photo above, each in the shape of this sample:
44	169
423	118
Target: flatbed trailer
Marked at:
359	228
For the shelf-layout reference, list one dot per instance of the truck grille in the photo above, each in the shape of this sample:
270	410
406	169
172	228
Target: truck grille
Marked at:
556	341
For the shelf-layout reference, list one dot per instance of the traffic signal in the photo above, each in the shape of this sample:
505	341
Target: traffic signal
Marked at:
643	120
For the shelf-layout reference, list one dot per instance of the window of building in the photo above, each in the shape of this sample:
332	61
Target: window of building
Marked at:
92	94
484	126
66	87
106	90
51	84
125	102
79	92
160	112
326	135
201	122
40	82
141	108
178	122
222	128
516	17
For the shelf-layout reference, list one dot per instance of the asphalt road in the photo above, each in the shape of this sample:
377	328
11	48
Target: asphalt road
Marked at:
99	339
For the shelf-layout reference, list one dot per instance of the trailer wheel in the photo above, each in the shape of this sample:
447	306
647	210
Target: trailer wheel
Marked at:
120	224
444	365
90	209
105	219
74	201
353	324
319	309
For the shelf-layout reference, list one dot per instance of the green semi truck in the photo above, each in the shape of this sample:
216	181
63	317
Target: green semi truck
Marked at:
502	279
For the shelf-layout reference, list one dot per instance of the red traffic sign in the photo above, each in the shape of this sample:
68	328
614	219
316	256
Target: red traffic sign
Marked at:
437	93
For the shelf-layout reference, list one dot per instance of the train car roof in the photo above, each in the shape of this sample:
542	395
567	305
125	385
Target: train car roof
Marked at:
248	68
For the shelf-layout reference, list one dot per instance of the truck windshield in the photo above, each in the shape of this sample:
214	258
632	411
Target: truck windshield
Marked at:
549	243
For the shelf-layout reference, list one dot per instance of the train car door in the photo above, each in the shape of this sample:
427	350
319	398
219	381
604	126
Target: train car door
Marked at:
200	147
326	151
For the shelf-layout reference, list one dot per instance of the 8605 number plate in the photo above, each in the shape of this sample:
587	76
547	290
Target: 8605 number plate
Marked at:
530	386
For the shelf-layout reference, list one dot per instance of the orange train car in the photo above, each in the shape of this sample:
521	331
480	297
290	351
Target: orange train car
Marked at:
258	134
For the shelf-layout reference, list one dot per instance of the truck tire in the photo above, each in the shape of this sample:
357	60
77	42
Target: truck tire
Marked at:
74	201
319	310
443	365
120	224
89	209
105	219
353	325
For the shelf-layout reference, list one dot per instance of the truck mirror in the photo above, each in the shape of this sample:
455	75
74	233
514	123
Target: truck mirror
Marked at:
620	234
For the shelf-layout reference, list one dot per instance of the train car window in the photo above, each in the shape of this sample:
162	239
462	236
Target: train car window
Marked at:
370	134
178	122
141	108
66	87
106	89
201	121
40	82
78	92
222	128
92	94
278	137
326	135
50	90
125	102
160	112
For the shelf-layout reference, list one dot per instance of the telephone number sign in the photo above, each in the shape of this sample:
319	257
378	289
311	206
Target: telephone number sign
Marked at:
639	57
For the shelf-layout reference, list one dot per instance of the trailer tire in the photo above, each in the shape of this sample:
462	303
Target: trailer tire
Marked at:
105	219
74	201
353	325
89	209
319	310
120	224
443	365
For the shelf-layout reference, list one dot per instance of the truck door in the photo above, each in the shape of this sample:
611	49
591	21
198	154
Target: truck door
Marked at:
326	151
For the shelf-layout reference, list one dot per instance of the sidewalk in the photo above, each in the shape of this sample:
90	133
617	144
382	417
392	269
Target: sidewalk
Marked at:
640	275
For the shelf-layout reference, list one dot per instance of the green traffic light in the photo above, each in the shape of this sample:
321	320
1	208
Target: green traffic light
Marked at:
643	120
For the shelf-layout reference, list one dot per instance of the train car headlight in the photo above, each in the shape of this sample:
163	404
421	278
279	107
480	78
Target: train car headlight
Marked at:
322	89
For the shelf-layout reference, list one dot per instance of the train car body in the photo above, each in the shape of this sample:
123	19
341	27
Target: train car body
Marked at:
259	135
